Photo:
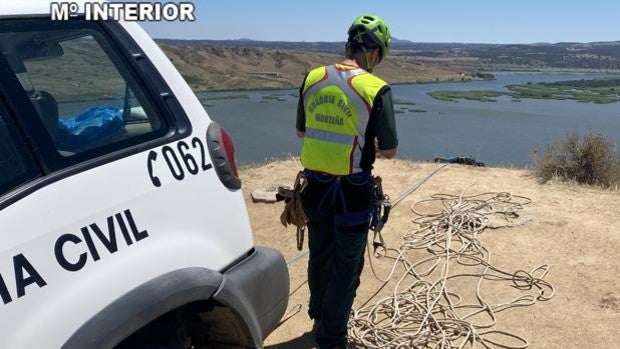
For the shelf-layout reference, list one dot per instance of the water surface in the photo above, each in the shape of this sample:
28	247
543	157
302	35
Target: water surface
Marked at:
502	133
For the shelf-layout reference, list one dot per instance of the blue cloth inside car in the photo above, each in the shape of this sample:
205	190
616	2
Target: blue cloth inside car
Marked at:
89	129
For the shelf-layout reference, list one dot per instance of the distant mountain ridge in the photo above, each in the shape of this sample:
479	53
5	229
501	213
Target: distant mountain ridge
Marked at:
207	67
571	55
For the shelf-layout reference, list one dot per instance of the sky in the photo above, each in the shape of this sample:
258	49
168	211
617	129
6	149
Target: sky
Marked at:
471	21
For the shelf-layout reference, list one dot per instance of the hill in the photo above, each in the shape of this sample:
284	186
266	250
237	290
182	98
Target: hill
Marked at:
564	55
207	67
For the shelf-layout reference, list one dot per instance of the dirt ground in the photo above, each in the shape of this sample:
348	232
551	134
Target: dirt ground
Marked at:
575	229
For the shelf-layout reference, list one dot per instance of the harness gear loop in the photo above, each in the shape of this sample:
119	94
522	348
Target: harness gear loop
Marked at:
380	213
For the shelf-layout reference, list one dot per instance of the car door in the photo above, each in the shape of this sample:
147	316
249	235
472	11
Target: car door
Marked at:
116	185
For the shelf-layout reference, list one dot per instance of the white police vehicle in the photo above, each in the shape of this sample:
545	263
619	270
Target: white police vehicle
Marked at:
121	220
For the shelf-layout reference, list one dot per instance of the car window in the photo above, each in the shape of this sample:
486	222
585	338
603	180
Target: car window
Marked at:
81	90
16	164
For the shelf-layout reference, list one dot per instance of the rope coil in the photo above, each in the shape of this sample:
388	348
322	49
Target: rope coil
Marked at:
423	311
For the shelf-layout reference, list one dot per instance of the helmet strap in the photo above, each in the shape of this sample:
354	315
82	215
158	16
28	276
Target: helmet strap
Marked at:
366	59
359	42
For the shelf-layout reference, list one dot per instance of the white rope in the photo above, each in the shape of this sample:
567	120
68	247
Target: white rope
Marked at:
423	311
297	257
416	185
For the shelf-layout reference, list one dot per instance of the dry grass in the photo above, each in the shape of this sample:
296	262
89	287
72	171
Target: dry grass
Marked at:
586	160
573	229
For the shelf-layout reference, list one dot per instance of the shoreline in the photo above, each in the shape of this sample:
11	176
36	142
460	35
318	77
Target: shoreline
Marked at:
541	71
295	158
554	70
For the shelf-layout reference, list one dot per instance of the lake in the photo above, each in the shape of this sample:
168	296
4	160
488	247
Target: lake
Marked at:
499	134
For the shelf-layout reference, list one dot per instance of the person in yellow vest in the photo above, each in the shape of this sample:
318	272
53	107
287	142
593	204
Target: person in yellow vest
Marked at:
342	109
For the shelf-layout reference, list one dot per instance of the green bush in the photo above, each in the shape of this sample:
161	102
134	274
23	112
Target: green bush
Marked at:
590	160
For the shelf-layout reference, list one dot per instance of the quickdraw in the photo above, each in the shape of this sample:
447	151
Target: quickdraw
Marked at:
380	212
300	237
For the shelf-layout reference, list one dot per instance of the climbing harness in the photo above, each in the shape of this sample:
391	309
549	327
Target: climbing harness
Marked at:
380	212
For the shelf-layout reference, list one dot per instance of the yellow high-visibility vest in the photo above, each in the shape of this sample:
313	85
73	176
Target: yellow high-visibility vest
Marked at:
337	103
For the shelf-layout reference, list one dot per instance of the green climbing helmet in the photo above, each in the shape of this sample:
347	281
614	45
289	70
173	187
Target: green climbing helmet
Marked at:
374	28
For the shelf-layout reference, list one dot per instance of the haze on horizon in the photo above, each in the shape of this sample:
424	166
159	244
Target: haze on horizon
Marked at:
440	21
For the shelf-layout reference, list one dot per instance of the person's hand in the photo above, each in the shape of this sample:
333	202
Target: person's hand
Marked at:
301	134
388	154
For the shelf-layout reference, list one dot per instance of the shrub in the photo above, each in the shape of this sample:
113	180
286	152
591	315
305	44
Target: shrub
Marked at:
589	160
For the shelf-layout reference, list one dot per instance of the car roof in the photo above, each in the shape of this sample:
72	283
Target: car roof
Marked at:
32	7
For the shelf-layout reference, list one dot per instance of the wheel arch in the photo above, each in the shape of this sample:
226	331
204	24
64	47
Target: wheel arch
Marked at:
142	305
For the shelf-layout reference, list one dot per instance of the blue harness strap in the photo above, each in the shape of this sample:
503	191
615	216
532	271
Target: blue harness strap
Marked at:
334	200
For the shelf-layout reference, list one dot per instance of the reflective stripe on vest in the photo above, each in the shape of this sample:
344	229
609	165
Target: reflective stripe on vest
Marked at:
329	136
337	113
